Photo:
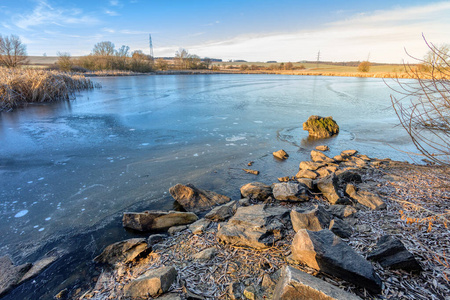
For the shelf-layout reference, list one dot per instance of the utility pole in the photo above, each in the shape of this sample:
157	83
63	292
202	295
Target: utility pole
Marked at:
318	59
151	46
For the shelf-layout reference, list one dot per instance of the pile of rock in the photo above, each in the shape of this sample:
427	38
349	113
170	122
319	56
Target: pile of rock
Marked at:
265	215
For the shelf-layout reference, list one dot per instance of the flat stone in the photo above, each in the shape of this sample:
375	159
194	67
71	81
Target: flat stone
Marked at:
365	198
342	211
206	254
281	154
320	127
155	239
123	251
223	212
308	182
310	165
318	156
152	283
10	274
324	172
314	219
326	252
194	199
38	267
256	190
156	219
340	228
322	148
295	284
199	226
170	296
284	179
256	226
290	191
391	253
306	174
348	153
176	229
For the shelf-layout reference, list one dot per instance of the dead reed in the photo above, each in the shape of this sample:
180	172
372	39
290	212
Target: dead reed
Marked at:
20	86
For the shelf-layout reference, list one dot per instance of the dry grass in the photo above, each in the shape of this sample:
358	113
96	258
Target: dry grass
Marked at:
20	86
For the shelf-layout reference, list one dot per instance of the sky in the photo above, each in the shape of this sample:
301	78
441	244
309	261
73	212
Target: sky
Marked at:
252	30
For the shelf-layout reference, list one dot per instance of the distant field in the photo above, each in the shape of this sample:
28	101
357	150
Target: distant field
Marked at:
42	60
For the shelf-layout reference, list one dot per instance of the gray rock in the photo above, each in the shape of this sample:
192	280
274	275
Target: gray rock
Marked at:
256	190
290	191
10	274
391	253
170	296
310	165
326	252
315	219
194	200
306	174
223	212
199	226
206	254
295	284
267	282
308	182
340	228
257	226
365	198
176	229
318	156
38	267
281	154
152	283
348	177
329	188
243	202
320	127
155	239
156	219
342	211
123	251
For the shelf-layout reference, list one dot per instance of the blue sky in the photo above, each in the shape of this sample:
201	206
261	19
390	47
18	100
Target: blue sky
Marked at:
283	30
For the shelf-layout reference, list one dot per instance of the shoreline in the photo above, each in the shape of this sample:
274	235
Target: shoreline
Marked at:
406	218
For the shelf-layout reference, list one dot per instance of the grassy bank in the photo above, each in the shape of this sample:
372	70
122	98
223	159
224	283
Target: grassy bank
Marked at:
21	86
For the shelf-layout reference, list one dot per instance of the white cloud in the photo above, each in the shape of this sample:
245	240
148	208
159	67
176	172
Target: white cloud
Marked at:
44	14
111	13
114	3
383	34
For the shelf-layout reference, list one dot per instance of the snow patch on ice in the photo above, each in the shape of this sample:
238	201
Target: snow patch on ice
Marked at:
258	122
235	138
21	213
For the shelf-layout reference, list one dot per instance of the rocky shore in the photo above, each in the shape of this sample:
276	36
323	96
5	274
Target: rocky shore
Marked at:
343	227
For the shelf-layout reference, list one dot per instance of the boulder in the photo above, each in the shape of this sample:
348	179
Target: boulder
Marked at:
329	188
223	212
257	226
256	190
326	252
155	239
199	226
176	229
156	219
206	254
290	191
391	253
314	219
348	177
325	171
342	211
365	198
295	284
322	148
311	165
306	174
10	275
340	228
123	251
152	283
348	153
308	182
281	154
320	127
318	156
194	199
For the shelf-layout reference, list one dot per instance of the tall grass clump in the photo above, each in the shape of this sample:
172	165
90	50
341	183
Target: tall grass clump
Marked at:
20	86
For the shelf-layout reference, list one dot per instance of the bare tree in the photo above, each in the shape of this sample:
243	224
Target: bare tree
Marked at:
424	105
12	52
105	48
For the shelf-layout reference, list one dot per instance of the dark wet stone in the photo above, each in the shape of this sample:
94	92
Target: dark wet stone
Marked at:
156	219
194	199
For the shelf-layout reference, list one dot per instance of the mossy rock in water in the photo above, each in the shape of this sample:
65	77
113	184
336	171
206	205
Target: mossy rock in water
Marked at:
320	127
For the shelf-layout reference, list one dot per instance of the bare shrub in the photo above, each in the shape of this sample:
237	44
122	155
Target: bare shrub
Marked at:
364	66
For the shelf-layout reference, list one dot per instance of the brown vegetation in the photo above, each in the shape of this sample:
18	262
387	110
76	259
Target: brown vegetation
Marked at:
12	52
19	86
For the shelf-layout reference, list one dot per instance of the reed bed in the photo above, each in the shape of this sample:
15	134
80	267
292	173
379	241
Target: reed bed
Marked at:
21	86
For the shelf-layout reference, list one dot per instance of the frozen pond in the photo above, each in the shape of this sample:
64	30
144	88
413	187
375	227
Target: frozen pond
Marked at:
68	170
